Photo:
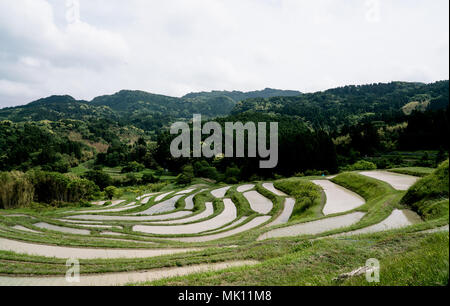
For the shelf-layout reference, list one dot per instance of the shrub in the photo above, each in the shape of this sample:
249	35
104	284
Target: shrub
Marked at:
100	178
232	175
149	178
110	192
361	166
53	187
16	190
81	190
186	176
133	167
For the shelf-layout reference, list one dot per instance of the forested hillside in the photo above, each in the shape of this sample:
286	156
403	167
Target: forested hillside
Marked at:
345	128
144	110
348	105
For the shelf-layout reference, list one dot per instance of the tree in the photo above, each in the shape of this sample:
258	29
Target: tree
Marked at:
16	190
149	178
186	176
100	178
110	192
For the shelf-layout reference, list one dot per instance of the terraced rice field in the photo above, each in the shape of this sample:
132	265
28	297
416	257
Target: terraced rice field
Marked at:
183	227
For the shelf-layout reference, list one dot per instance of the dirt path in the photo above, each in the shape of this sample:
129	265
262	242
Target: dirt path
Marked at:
398	181
117	279
314	227
339	199
83	253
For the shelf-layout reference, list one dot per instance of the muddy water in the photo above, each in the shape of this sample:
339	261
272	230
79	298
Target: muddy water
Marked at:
187	191
220	193
248	226
176	215
124	208
116	279
436	230
245	188
271	188
314	227
203	215
285	215
146	195
62	229
190	200
83	253
339	199
228	215
398	181
398	219
235	223
162	207
162	196
25	229
258	202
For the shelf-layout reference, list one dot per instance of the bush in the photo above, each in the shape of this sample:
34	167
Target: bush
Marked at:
110	192
149	178
16	190
203	169
133	167
232	175
100	178
53	187
361	165
81	190
130	180
186	176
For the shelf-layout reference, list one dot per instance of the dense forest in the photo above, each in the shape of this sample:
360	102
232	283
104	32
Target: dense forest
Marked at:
353	127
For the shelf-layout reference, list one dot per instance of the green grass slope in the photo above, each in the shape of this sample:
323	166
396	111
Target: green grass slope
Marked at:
429	196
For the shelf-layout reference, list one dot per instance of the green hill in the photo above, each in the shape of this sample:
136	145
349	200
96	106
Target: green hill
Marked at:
351	104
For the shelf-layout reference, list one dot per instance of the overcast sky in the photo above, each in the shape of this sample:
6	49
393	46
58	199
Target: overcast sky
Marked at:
174	47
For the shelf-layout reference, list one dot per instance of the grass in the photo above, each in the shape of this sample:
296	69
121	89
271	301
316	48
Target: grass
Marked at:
429	196
414	171
318	263
308	197
407	257
366	187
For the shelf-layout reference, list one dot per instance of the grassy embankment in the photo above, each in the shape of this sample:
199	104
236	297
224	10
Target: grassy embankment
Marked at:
406	258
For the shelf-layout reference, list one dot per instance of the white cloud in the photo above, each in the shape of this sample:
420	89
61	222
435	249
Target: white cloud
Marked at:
176	46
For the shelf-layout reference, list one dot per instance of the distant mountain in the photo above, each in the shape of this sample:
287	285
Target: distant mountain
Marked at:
142	109
328	109
56	108
238	96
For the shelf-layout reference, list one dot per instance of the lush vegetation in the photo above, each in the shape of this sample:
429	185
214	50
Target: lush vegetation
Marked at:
307	195
19	189
351	104
122	139
429	196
